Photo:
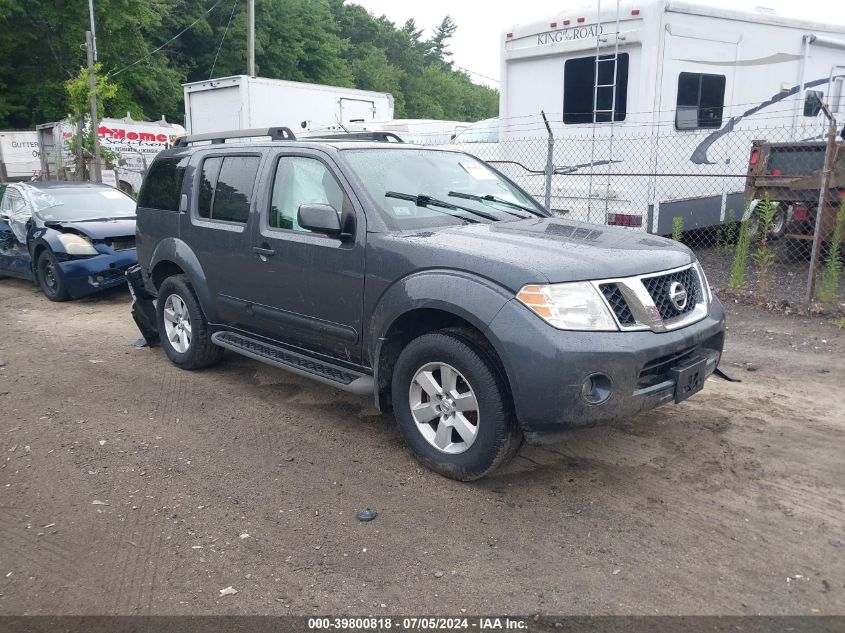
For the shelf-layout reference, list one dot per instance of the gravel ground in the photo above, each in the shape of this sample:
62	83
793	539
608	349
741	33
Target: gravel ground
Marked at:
129	486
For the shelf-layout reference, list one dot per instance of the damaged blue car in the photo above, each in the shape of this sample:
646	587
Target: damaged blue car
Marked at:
71	238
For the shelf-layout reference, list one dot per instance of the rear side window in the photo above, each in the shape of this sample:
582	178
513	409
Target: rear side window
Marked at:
162	186
226	185
701	100
585	97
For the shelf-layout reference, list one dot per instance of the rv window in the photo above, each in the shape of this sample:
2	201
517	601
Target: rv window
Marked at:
701	100
584	97
813	103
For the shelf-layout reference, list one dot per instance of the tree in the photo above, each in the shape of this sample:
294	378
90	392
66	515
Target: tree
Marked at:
440	40
322	41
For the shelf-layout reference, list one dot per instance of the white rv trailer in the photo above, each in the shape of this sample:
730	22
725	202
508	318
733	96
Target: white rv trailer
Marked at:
658	101
243	102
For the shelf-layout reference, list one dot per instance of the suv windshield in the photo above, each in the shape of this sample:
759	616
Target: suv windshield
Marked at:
81	203
427	178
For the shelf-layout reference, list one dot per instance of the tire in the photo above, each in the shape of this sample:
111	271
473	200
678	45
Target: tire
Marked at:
50	277
448	435
183	330
779	221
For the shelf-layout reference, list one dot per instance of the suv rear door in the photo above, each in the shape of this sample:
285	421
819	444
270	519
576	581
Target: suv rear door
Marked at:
303	288
217	227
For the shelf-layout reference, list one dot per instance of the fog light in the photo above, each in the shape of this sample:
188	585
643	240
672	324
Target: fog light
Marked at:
596	388
100	279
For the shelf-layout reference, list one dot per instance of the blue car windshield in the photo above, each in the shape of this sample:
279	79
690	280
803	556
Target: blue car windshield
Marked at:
81	203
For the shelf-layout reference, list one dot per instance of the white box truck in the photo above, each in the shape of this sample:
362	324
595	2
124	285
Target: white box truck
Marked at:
243	102
654	104
19	155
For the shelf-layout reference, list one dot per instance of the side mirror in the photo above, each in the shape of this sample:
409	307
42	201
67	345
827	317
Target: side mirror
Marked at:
319	218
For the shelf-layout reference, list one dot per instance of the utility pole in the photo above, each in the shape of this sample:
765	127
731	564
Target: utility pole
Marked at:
93	30
250	38
92	91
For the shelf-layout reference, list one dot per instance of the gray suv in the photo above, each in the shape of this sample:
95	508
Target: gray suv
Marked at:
422	277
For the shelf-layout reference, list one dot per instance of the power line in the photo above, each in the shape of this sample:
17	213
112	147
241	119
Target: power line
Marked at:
211	73
472	72
175	37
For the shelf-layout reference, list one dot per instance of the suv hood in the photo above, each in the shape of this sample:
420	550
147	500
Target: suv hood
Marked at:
97	230
549	250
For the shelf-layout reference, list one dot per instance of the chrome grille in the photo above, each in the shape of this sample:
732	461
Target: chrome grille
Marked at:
618	304
658	287
643	302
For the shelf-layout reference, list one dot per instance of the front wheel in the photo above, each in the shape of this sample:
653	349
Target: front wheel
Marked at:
452	406
50	277
182	327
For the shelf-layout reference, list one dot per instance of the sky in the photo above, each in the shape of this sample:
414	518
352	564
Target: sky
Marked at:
476	44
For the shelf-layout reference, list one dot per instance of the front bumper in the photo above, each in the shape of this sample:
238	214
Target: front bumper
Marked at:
546	367
92	274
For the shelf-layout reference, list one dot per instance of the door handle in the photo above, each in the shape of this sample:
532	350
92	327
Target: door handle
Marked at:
266	252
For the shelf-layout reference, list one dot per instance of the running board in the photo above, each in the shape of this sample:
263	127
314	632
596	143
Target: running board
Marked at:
339	377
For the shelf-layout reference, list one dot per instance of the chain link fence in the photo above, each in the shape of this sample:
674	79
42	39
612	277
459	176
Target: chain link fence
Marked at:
745	198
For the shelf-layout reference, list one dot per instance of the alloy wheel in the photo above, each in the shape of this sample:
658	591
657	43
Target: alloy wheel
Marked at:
177	323
444	408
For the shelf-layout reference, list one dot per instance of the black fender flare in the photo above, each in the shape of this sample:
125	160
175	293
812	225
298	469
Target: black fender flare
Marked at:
472	298
174	250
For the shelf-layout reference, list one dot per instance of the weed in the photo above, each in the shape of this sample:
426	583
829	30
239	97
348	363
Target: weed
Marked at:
764	257
678	228
827	287
740	262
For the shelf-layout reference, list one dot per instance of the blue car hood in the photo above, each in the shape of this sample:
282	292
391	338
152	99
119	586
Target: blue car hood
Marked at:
98	230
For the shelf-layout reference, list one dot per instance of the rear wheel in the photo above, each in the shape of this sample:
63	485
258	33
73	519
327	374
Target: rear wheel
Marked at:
452	407
50	277
778	222
182	326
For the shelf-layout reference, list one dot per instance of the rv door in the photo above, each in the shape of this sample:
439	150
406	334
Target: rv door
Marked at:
356	110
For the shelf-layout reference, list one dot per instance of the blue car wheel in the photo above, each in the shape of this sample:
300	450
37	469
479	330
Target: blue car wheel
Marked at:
50	277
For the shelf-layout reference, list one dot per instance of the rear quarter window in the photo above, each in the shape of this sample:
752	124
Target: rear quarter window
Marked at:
162	187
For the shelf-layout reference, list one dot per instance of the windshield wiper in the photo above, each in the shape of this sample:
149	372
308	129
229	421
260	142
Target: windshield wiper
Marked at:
497	200
422	200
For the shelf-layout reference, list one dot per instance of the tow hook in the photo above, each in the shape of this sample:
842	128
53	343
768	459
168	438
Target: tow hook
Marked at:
718	372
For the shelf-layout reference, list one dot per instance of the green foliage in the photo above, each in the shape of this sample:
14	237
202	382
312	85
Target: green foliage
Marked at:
78	93
440	41
840	323
764	257
320	41
726	234
827	287
678	228
740	261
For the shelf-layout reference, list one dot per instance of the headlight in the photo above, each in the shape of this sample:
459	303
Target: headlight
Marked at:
76	244
705	287
569	306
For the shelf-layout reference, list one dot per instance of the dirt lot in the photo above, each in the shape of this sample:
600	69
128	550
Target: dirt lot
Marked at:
128	487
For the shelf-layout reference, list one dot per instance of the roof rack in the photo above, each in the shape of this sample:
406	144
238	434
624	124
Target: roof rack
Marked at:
275	134
381	137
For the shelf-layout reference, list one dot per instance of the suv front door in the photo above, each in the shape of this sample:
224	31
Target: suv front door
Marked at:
306	289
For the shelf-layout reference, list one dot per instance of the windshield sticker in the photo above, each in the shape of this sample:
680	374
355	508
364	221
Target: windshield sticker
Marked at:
114	195
477	171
